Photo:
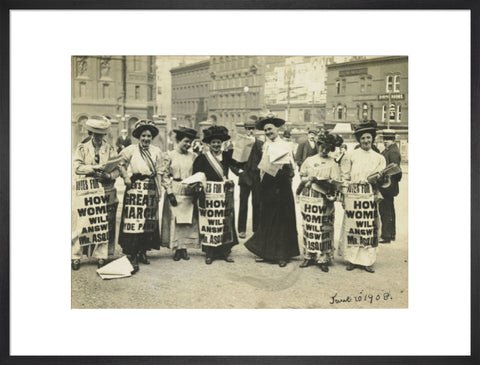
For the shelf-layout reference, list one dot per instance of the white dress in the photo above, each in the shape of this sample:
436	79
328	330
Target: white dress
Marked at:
356	166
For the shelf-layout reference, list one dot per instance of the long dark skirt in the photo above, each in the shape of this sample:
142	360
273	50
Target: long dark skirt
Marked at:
276	237
149	238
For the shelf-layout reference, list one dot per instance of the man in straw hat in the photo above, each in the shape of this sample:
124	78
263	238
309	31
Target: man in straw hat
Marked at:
87	163
249	181
391	189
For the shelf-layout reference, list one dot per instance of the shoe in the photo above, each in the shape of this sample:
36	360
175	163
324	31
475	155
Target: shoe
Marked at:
324	267
185	255
282	263
242	235
177	256
75	265
100	263
142	257
350	266
369	269
385	241
208	260
228	259
136	268
305	263
259	259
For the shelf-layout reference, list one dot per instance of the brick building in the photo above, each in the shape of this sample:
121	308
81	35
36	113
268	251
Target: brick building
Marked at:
375	88
120	88
190	94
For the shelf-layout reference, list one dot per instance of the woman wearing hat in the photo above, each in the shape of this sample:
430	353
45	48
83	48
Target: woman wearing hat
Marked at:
176	233
359	236
215	164
139	227
88	161
276	237
319	170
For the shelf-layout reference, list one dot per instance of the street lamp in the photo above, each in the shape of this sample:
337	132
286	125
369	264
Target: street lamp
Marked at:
245	90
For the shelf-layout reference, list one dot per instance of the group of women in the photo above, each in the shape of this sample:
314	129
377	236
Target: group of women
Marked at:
186	183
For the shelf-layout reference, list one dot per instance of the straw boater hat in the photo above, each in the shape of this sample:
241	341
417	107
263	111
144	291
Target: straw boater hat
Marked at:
215	132
183	132
269	119
388	134
142	125
369	126
250	123
98	126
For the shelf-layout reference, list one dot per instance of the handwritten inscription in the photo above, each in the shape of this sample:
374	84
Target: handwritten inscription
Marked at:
361	297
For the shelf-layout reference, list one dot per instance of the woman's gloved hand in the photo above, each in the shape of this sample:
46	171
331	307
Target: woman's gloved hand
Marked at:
128	182
172	199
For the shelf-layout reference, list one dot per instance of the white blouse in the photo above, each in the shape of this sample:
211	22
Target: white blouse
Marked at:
358	164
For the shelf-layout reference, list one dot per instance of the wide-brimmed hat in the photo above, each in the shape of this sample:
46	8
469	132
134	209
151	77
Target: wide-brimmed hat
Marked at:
215	132
183	132
388	134
142	125
250	123
98	126
369	126
269	119
313	130
123	131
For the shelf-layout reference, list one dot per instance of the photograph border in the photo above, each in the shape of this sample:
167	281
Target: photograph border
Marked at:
237	4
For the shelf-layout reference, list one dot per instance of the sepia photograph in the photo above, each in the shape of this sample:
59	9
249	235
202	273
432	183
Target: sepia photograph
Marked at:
239	182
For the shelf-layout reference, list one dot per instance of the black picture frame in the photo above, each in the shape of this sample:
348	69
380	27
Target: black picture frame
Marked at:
8	5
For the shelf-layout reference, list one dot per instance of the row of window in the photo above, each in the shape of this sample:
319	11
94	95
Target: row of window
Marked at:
191	91
105	91
392	112
392	84
234	81
188	107
222	63
190	76
229	101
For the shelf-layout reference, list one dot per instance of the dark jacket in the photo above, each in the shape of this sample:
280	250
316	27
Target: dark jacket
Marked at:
304	150
123	142
251	174
392	155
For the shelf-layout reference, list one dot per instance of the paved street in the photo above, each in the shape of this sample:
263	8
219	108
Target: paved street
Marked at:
247	284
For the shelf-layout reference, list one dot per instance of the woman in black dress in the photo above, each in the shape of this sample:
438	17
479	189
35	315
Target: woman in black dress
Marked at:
215	164
276	238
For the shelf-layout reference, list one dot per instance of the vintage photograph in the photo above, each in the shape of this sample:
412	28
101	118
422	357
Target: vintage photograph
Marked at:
239	182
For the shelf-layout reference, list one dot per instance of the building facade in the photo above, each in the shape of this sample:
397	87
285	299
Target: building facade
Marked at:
190	94
237	88
120	88
375	88
164	83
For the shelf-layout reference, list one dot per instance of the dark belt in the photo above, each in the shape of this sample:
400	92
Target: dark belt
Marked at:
177	180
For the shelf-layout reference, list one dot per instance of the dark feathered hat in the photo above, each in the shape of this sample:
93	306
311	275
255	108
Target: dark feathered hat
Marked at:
183	132
215	132
269	119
